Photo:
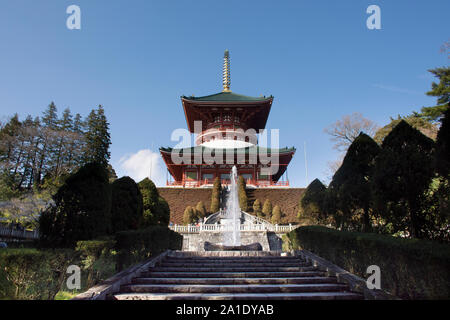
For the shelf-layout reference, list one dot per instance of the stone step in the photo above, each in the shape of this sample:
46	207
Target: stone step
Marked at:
232	288
241	296
230	269
222	281
238	259
165	264
248	274
186	261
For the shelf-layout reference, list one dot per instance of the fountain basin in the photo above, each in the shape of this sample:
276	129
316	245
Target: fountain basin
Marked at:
220	247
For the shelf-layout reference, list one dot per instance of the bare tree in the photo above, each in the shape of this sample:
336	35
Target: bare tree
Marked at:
345	130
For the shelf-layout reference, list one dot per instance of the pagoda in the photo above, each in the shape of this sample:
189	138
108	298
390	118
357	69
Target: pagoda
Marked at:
227	127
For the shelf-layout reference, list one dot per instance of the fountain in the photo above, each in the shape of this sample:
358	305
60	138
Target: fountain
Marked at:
232	222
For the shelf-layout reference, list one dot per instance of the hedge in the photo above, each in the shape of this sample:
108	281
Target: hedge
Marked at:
410	268
138	245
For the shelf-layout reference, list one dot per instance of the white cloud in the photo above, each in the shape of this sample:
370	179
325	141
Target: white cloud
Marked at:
144	164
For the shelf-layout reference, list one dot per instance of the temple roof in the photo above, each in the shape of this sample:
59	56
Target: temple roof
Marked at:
227	97
246	150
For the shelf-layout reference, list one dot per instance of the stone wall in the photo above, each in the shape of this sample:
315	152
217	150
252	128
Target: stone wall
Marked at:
287	198
268	240
179	198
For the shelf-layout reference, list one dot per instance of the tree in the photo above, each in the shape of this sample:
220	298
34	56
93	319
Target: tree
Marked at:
215	195
415	120
311	204
440	90
97	137
189	215
127	205
443	145
81	209
200	210
352	182
156	209
276	215
242	194
267	209
402	174
257	211
344	131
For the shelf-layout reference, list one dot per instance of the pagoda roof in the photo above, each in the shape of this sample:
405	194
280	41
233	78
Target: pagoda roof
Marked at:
227	96
175	170
247	150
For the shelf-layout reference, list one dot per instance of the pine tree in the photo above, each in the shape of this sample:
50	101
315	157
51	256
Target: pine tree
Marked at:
97	138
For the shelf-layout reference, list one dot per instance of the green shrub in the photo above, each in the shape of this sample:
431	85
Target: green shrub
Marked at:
31	274
127	205
410	268
97	260
138	245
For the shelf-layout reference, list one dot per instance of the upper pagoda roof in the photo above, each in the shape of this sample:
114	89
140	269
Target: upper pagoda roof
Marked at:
227	97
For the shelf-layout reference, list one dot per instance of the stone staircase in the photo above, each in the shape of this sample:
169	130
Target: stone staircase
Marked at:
231	275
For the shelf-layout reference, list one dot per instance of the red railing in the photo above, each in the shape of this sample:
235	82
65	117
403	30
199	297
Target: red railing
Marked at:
199	183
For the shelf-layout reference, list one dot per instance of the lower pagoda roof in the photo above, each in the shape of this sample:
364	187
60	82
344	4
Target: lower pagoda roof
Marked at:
176	170
247	150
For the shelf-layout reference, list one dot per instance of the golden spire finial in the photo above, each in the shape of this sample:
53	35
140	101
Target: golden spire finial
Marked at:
226	72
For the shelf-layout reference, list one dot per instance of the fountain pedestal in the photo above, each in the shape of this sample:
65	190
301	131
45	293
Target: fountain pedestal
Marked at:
220	247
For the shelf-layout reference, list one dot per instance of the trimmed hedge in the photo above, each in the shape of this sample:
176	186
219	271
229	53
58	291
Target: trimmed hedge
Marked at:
138	245
410	268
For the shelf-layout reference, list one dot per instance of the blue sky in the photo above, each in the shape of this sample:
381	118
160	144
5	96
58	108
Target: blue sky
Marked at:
136	58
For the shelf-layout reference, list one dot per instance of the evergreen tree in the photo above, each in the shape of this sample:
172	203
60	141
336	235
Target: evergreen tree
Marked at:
81	209
242	194
257	211
127	205
311	206
352	181
276	215
97	137
189	215
402	174
267	209
215	195
443	145
156	209
440	90
200	210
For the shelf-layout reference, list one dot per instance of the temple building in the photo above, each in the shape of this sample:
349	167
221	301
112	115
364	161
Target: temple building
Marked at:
227	127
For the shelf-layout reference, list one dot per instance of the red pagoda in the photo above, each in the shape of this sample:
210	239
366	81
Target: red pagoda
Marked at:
227	126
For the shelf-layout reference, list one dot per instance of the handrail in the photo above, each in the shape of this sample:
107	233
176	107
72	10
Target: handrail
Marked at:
225	228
